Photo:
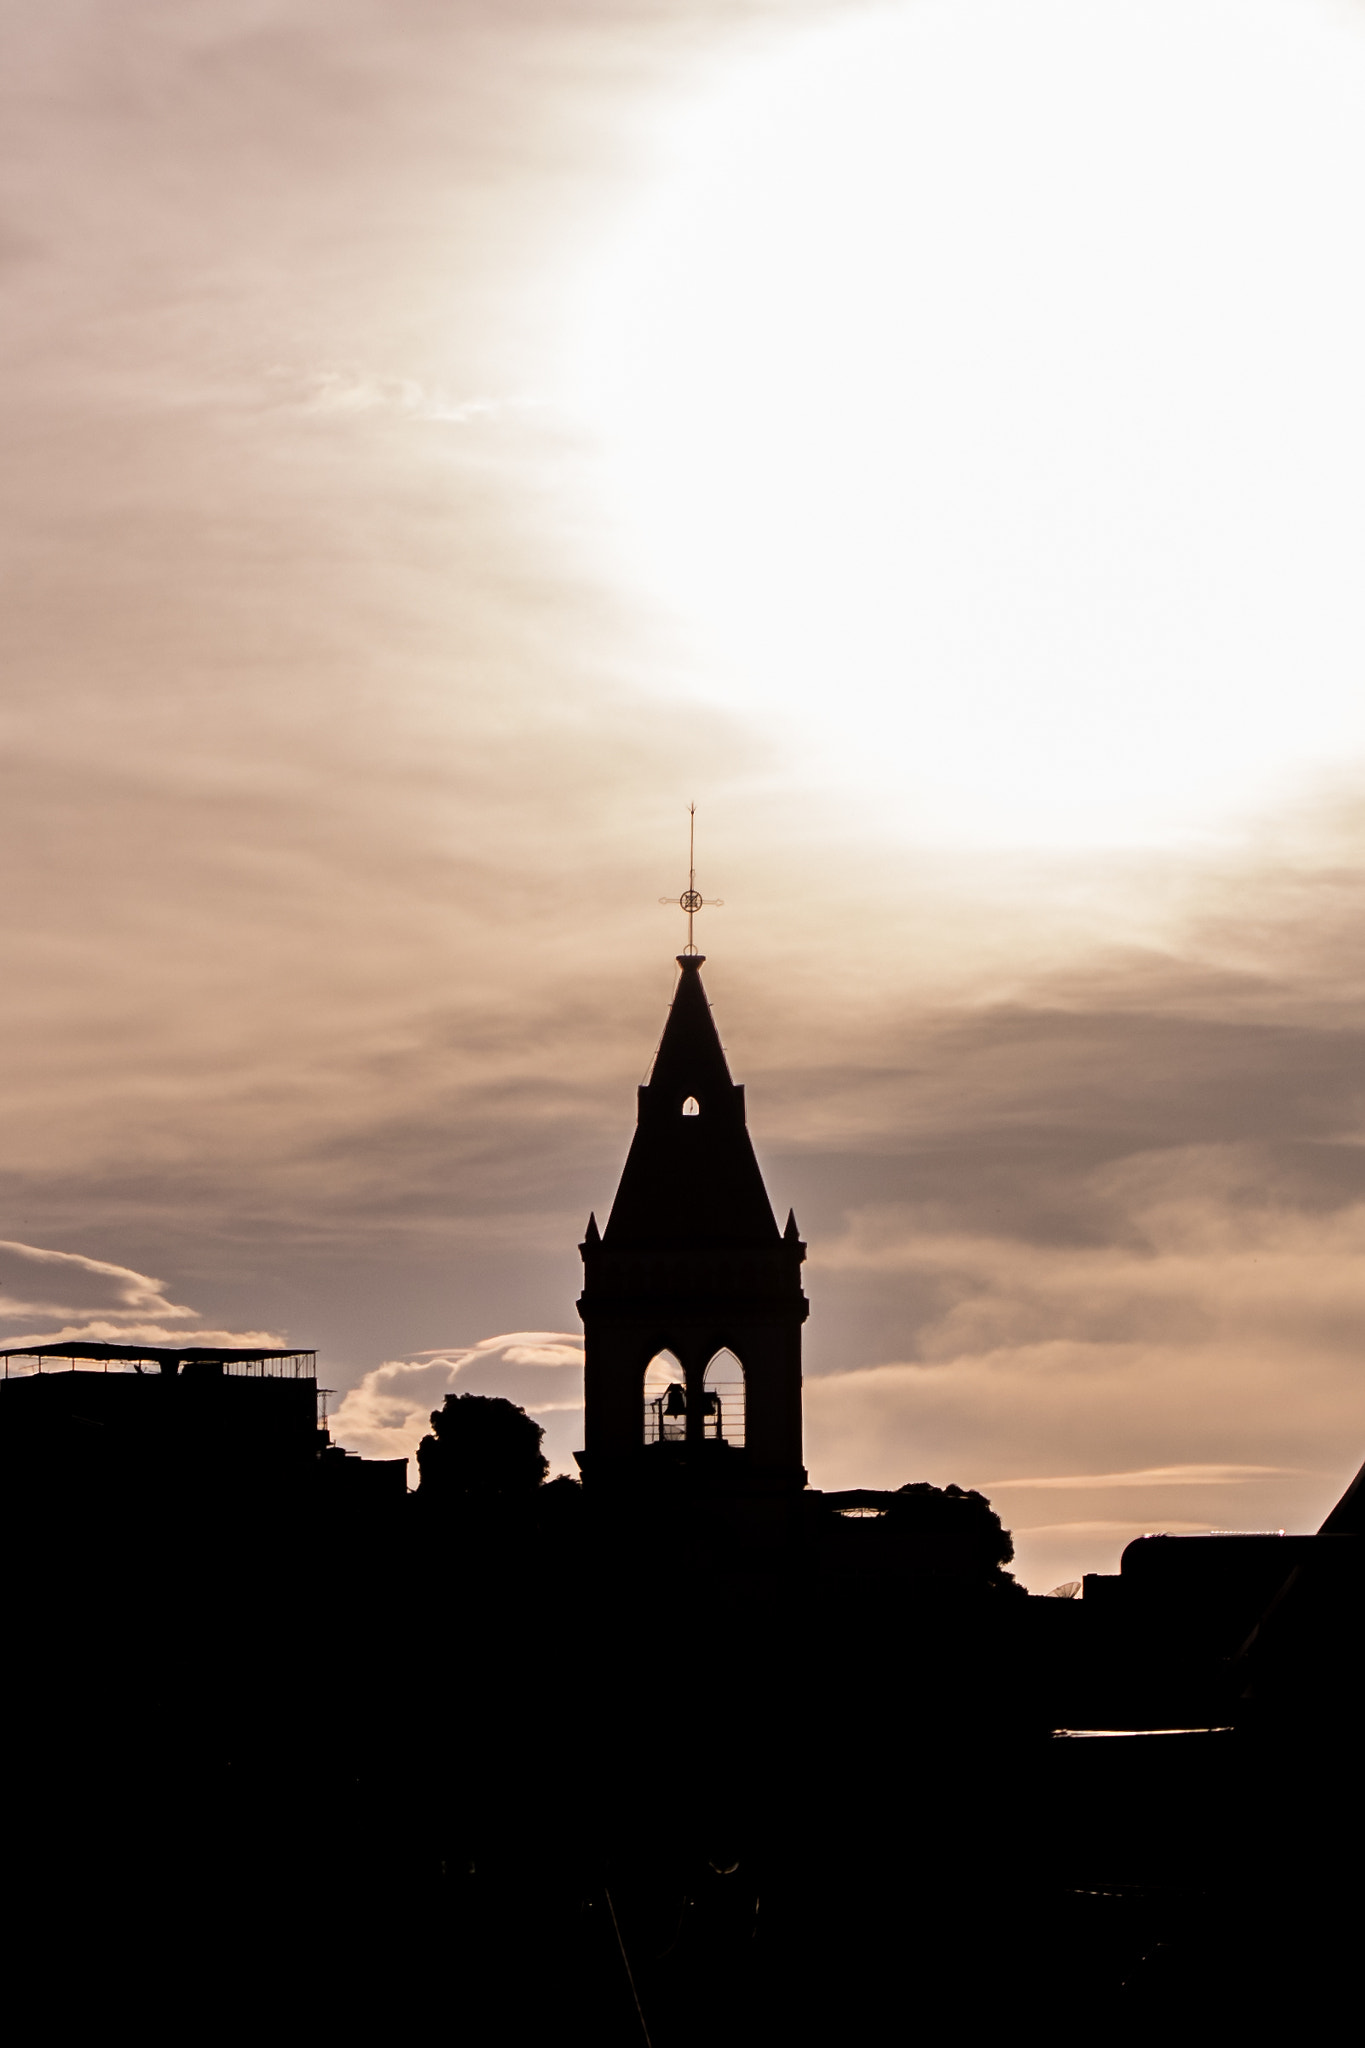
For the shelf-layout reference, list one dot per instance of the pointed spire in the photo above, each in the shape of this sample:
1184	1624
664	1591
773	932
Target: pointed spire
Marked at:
791	1233
592	1235
690	1063
691	1179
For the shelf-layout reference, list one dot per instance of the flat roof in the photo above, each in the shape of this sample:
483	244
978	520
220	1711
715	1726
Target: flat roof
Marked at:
169	1356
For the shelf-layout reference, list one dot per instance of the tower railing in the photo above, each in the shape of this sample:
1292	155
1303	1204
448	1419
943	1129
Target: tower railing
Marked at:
722	1420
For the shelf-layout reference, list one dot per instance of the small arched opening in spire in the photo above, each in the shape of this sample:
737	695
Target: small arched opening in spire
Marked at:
665	1400
691	1107
723	1401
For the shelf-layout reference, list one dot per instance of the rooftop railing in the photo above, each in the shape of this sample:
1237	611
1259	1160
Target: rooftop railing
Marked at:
235	1362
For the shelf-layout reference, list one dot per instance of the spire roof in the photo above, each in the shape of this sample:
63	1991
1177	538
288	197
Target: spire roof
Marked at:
691	1179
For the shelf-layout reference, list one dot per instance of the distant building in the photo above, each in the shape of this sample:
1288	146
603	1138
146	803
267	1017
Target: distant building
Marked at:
214	1427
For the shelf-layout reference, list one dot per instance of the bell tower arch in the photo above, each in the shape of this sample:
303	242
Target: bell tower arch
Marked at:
692	1265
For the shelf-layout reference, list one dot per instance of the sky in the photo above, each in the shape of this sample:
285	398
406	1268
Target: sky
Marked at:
443	441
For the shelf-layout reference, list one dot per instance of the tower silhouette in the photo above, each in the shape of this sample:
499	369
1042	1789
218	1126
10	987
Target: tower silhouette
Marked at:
693	1285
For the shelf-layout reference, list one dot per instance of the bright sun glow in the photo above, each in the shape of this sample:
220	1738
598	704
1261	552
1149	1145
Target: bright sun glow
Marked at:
982	382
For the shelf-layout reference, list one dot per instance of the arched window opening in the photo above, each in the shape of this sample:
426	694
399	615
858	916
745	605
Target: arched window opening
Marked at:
691	1107
665	1400
723	1401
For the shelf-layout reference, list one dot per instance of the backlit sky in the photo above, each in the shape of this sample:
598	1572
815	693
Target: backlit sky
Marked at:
441	441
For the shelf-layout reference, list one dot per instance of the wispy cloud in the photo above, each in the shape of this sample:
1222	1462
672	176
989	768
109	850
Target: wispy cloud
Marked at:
1154	1475
350	391
66	1297
1195	1238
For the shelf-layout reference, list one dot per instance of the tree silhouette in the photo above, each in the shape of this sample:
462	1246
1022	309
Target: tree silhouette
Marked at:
483	1447
961	1512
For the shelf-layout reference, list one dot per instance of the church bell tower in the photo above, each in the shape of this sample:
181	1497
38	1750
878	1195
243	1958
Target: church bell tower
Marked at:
692	1303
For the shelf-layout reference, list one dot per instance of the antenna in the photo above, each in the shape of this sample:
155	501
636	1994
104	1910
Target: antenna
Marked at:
692	900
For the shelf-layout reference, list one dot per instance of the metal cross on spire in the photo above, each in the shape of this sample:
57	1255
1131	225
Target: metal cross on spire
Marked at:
692	899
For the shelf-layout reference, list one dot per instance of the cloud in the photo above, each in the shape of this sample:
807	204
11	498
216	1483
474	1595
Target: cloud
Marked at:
388	1413
40	1282
91	1300
341	778
1183	1240
1188	1325
349	391
1157	1475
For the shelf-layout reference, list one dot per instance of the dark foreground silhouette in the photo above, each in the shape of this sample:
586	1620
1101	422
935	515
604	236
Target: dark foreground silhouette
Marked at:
691	1753
513	1769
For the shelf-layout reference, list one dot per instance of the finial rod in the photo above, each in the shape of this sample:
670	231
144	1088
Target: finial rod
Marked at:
691	900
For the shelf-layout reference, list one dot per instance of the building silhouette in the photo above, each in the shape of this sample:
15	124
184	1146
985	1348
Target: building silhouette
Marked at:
92	1428
692	1303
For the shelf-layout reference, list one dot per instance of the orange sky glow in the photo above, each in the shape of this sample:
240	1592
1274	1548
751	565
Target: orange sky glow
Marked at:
443	441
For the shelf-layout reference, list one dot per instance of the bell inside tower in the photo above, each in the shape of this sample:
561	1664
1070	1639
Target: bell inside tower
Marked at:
665	1400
